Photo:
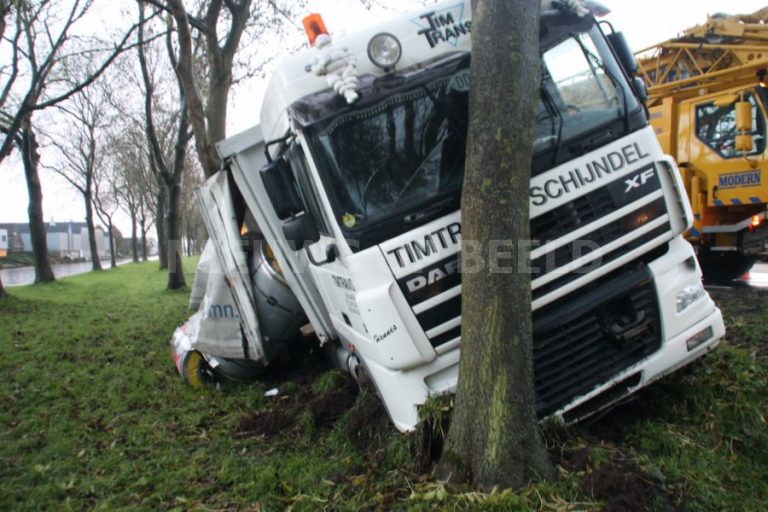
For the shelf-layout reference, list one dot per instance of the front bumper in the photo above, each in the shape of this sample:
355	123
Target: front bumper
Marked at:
403	391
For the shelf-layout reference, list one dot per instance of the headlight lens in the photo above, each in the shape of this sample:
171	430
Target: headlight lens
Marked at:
384	50
688	296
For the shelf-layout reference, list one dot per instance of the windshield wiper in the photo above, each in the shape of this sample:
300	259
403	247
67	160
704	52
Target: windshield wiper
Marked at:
430	211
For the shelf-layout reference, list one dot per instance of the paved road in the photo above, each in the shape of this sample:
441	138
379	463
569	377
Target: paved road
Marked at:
26	275
758	276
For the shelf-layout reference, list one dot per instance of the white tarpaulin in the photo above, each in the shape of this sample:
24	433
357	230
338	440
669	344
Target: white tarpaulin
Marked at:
219	332
228	304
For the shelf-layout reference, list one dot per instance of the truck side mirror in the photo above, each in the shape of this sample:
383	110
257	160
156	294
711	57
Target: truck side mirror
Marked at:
744	126
623	52
281	189
639	86
300	230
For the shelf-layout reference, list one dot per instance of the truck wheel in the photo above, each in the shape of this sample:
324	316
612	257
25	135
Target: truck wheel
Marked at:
723	267
194	369
234	369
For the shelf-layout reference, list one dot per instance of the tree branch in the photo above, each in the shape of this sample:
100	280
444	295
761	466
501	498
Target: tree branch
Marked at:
149	124
193	20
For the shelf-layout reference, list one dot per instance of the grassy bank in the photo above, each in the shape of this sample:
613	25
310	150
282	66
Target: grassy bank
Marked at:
93	415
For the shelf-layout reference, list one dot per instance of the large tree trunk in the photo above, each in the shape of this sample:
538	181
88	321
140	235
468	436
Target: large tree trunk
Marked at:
112	252
175	269
94	248
216	112
2	289
494	437
162	238
209	120
206	152
31	158
144	255
134	237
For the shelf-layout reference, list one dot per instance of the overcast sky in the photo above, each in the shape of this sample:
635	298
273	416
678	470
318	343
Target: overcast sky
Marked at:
643	23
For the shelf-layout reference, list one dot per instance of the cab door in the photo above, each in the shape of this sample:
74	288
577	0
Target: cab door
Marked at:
733	176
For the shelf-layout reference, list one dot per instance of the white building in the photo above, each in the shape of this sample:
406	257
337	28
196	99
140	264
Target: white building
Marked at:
3	242
65	239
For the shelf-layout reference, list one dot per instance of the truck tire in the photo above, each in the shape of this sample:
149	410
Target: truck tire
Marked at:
239	370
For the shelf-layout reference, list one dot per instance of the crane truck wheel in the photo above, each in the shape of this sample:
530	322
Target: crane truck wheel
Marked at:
723	267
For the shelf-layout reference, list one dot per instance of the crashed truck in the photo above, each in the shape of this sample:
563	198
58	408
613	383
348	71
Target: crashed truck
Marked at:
339	214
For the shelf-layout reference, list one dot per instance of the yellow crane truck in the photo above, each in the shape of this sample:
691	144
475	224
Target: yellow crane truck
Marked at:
707	102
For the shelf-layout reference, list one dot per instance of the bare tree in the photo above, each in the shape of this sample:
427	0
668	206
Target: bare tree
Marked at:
106	203
127	161
209	125
169	168
149	211
192	220
79	156
493	437
30	157
221	25
40	52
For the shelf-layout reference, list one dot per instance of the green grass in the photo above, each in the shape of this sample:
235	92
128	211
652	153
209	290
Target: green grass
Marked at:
94	416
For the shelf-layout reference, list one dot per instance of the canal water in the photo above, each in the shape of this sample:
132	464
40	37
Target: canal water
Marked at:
26	275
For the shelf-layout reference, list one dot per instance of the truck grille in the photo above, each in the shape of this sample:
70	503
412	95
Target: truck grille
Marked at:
583	340
586	337
555	223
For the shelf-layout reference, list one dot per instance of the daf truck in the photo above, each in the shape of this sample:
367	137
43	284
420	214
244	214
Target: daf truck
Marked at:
340	210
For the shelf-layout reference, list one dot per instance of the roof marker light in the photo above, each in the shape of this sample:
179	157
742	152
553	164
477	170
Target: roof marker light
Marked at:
314	26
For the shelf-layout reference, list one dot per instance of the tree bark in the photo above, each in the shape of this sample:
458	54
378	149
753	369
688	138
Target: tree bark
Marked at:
216	111
112	252
94	248
206	153
175	268
209	120
144	255
2	289
162	239
494	437
31	160
134	237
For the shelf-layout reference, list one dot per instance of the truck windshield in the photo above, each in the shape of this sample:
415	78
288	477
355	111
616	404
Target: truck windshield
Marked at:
398	155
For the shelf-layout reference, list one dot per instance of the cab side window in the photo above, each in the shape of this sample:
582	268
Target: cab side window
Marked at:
716	127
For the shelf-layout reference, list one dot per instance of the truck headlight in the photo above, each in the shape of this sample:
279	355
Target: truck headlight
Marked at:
688	296
384	50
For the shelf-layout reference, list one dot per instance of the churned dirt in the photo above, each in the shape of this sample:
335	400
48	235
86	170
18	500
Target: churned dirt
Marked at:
324	408
624	487
297	401
369	424
266	423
